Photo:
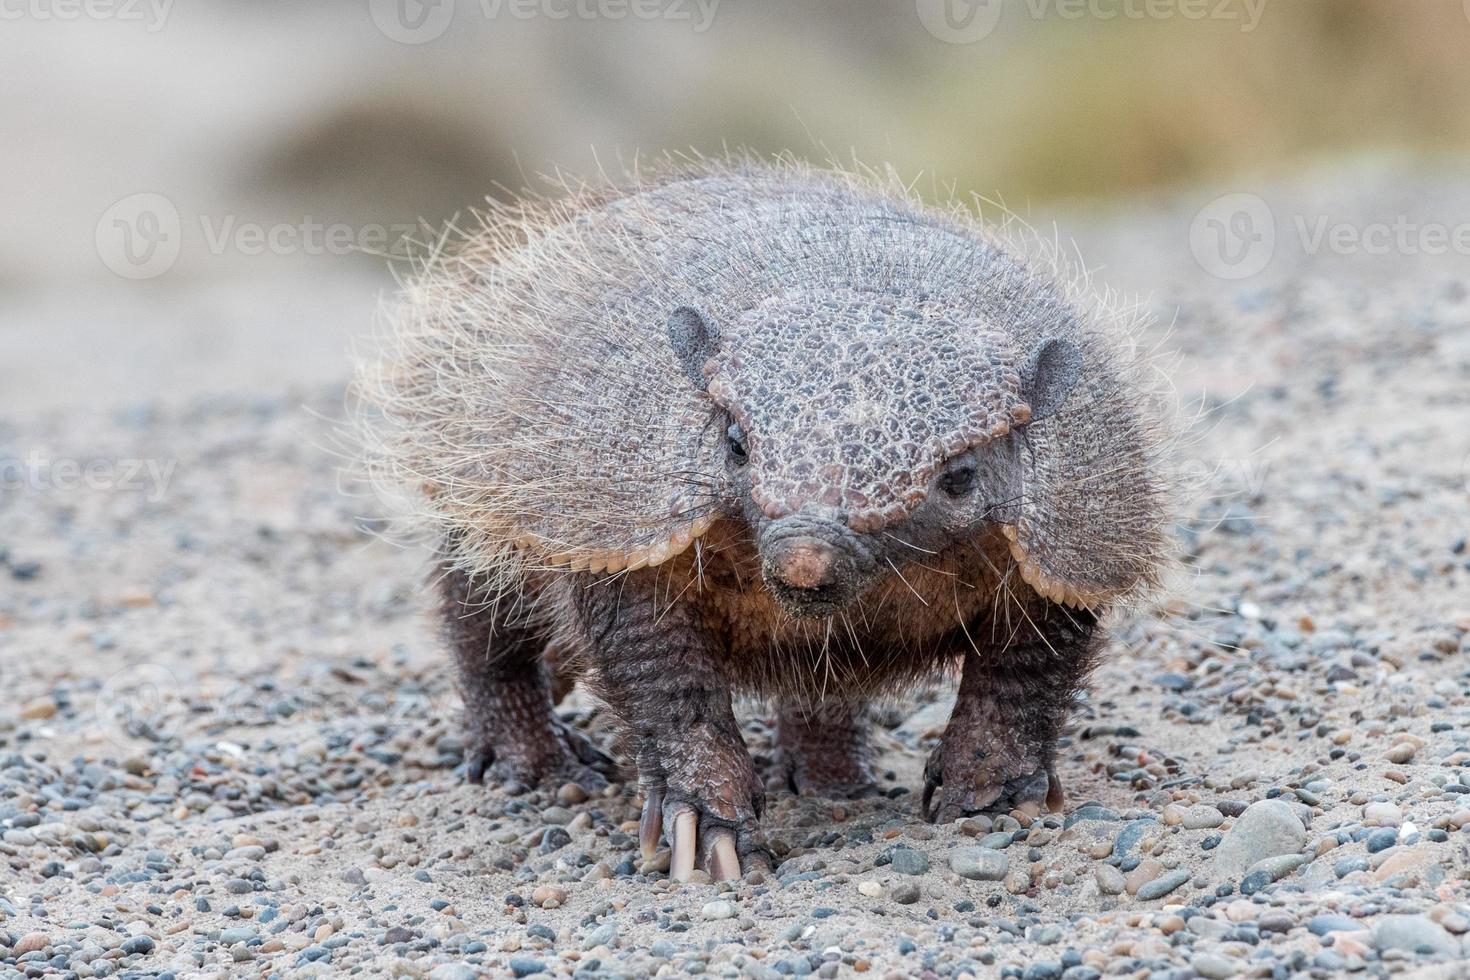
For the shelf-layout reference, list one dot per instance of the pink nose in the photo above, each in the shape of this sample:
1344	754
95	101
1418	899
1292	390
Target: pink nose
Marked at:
806	563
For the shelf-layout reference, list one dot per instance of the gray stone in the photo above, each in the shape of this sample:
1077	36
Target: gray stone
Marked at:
1410	932
1213	965
907	861
1382	839
1253	882
1109	879
1276	868
1282	922
1207	928
979	863
1162	885
1321	925
1203	817
719	909
1266	829
1091	811
1131	834
604	935
455	971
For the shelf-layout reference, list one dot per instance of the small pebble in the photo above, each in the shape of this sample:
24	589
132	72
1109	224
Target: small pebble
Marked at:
716	910
979	863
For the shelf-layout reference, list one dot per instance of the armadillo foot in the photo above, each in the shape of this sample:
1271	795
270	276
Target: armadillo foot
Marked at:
699	839
702	795
948	798
518	762
825	753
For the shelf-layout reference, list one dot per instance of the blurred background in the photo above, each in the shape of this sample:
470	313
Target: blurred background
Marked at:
198	197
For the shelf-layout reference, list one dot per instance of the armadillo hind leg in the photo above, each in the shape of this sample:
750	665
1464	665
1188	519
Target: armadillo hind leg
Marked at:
823	750
513	737
998	753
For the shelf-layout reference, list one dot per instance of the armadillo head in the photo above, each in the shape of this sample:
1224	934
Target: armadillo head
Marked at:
861	426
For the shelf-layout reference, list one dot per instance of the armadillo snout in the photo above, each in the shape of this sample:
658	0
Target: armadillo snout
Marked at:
805	563
812	566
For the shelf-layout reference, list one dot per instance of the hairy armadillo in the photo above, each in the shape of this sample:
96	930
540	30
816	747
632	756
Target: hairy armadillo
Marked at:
757	427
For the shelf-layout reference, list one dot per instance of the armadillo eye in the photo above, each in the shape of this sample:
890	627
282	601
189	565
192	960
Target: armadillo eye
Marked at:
736	437
958	481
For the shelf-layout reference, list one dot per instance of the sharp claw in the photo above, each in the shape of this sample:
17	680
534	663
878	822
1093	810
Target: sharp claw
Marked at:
722	861
924	808
1056	797
478	763
651	823
682	862
756	862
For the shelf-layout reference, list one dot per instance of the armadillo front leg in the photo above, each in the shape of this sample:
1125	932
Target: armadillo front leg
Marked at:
514	737
655	669
999	751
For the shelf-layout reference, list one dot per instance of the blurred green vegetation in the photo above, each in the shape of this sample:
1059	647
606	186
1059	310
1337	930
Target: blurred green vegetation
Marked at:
1063	106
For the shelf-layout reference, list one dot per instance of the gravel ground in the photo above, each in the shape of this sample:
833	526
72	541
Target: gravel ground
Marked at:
228	743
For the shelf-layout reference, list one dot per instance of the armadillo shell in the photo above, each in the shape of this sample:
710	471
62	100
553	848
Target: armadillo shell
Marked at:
530	384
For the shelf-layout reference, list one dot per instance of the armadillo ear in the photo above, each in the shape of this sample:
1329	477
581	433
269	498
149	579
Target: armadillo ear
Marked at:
693	339
1050	374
